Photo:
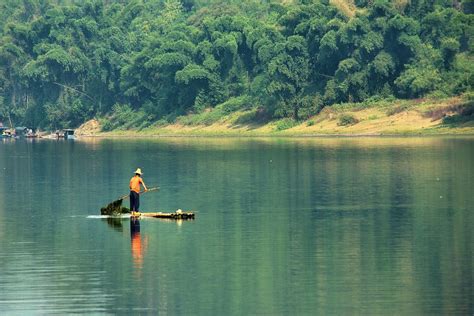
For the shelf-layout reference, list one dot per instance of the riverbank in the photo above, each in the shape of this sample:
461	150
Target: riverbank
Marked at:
451	116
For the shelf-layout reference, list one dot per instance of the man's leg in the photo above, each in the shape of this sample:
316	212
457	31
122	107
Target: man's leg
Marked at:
132	202
137	202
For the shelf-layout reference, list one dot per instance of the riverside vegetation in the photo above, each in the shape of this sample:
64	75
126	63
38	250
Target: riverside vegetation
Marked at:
170	66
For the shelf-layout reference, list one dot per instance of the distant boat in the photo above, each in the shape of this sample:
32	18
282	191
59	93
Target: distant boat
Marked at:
5	132
69	134
21	131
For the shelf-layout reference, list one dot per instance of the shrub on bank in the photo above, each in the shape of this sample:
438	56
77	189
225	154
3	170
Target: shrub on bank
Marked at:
347	120
235	104
465	113
124	117
208	117
285	123
395	109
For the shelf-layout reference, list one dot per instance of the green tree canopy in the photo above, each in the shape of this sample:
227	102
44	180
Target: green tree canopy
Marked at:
63	62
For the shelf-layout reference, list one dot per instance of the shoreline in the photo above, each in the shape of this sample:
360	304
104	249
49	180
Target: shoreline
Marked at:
403	135
426	117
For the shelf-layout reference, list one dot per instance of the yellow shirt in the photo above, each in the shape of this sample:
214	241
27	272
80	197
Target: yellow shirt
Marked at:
135	184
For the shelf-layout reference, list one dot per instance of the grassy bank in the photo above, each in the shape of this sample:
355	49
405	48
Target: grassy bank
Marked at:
398	117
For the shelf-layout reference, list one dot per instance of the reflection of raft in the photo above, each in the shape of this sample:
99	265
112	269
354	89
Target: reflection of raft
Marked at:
174	215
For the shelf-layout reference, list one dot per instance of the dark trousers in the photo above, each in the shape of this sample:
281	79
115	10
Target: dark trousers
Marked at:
134	201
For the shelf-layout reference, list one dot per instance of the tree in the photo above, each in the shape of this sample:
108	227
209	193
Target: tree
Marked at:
422	75
289	72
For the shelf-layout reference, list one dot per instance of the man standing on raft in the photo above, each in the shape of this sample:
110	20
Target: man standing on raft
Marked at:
135	192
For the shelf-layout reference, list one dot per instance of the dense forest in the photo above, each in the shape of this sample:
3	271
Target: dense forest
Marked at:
139	62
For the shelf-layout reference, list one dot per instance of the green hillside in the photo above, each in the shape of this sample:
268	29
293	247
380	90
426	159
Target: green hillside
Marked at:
135	63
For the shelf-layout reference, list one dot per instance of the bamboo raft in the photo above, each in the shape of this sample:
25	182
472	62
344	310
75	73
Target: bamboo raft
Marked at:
174	215
116	209
120	210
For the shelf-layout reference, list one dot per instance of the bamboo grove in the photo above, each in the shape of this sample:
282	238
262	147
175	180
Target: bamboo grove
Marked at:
142	61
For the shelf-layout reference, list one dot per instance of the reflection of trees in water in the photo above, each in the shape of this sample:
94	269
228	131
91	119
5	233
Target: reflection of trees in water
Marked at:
115	223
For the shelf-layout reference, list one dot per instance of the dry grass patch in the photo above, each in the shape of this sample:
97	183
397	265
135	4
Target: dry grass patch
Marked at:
452	107
400	4
347	7
90	127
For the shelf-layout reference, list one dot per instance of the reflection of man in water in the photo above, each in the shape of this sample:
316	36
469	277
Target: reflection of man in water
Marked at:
137	248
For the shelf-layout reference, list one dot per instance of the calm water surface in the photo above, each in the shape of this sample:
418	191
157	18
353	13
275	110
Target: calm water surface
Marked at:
284	227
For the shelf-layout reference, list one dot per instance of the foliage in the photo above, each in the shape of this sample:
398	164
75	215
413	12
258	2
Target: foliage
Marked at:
208	117
464	114
285	123
123	116
347	120
399	108
138	62
235	104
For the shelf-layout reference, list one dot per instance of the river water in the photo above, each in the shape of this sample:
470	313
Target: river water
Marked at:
297	226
